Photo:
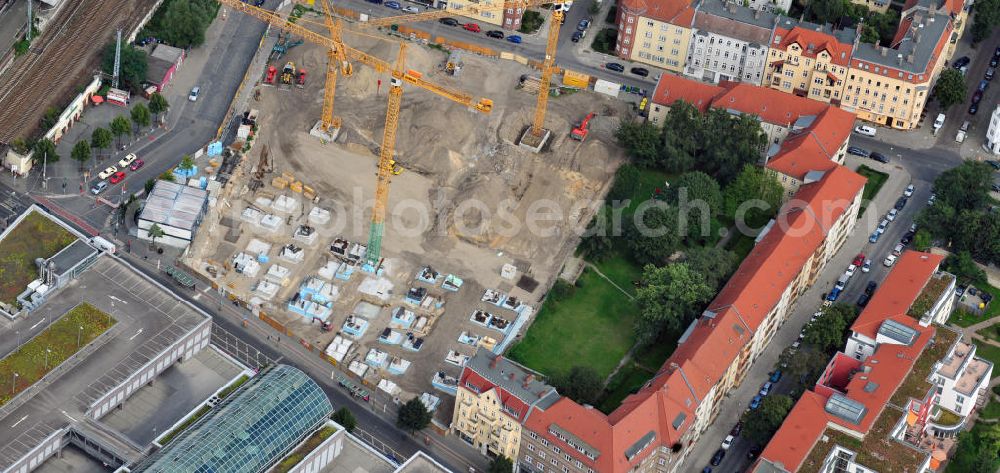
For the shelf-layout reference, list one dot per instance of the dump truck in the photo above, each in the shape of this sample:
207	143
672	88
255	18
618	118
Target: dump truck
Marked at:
581	131
288	73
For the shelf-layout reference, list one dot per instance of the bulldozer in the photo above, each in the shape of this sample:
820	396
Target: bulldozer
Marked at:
288	73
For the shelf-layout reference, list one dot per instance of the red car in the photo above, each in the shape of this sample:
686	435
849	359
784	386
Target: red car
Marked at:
136	164
117	177
473	27
859	260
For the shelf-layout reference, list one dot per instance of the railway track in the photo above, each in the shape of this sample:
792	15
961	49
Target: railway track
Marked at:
56	63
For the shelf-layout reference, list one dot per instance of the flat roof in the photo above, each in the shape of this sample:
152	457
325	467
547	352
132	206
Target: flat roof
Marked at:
72	255
174	205
149	319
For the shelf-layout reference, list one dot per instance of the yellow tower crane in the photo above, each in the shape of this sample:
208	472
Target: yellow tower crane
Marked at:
398	75
551	46
329	123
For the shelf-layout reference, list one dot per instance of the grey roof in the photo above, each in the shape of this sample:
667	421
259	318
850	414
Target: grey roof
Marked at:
549	399
174	205
898	332
575	441
72	255
842	35
167	53
156	69
913	54
845	408
640	445
517	380
755	25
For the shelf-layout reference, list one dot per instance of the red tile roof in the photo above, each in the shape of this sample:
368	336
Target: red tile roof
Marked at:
900	288
801	154
672	88
799	432
506	398
772	106
675	12
840	53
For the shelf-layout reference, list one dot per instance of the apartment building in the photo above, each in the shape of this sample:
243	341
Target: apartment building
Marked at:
654	429
494	396
880	6
809	60
992	143
770	6
655	32
890	85
487	11
729	42
888	409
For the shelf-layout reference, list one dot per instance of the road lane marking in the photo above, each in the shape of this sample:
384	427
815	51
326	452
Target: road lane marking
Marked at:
18	422
137	332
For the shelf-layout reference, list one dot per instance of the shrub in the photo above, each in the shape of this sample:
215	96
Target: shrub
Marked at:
531	22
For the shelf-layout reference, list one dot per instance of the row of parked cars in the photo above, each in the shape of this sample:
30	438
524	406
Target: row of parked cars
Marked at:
116	174
474	27
962	64
734	433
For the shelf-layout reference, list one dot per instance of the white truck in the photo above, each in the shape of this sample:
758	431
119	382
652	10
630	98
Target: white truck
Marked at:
960	137
939	122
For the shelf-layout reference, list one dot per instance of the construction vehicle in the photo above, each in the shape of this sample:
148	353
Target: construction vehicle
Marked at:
282	46
301	82
581	131
398	75
271	73
454	63
396	168
288	73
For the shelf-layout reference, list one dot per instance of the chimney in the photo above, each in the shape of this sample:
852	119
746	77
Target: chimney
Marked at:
731	6
899	59
493	363
756	14
885	51
527	380
909	58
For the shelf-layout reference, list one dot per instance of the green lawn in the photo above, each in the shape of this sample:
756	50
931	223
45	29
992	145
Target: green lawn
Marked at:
56	344
740	244
621	270
308	446
876	179
34	237
184	425
991	410
964	318
649	181
990	352
627	380
593	327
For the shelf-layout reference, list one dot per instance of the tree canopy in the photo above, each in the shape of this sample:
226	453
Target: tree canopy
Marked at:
670	297
652	235
81	152
132	73
641	142
987	17
501	464
119	127
345	417
181	23
413	416
157	105
753	197
140	116
965	269
950	88
595	243
626	180
45	151
581	384
713	263
761	423
962	216
101	138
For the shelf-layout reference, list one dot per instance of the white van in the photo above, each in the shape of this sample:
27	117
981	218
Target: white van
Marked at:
103	244
939	122
864	130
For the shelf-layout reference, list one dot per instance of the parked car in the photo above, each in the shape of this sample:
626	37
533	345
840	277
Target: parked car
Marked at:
755	402
990	73
994	164
959	290
495	34
728	442
883	225
867	266
898	249
137	165
874	237
128	159
983	85
577	36
858	151
99	187
977	96
614	66
717	458
449	21
859	259
891	216
117	177
889	260
411	9
193	96
775	376
913	228
107	172
931	199
707	469
870	288
900	203
994	61
473	27
961	62
850	270
735	432
583	25
879	157
640	71
393	5
863	300
514	39
909	190
864	130
766	388
796	344
973	109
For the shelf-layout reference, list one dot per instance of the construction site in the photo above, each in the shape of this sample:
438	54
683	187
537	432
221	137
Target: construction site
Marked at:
475	229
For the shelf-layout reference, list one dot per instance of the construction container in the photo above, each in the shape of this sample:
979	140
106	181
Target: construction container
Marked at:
296	187
279	182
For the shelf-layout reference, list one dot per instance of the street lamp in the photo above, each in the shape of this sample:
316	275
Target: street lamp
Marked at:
18	332
13	384
79	334
47	351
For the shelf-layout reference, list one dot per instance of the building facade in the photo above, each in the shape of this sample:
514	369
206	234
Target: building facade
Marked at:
992	143
494	395
809	60
728	43
961	380
487	11
654	33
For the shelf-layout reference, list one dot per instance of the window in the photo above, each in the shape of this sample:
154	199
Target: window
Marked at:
565	470
540	466
533	435
541	454
556	449
567	457
531	448
649	23
554	462
662	461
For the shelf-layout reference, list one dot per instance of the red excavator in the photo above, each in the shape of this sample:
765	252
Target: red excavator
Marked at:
302	79
580	132
271	73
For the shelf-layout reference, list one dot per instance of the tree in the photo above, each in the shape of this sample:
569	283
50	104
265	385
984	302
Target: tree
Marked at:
641	142
696	186
413	416
681	141
652	234
157	105
761	423
101	138
714	264
81	152
669	298
950	88
729	143
120	126
626	181
922	240
155	232
753	197
805	364
345	417
133	66
965	187
986	18
501	464
827	332
581	384
965	269
937	220
595	244
187	162
45	151
140	116
181	23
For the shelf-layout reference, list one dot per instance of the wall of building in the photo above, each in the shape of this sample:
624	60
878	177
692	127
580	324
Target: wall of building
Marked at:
51	445
713	57
659	44
465	8
804	76
323	454
480	420
992	143
891	101
538	454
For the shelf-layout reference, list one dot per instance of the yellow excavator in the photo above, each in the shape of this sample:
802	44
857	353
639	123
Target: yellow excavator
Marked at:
288	73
